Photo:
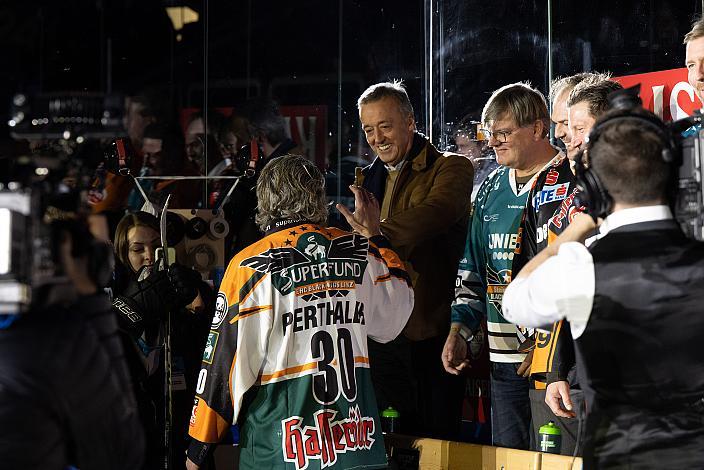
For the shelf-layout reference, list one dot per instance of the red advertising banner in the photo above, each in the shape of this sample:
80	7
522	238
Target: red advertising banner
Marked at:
666	93
307	126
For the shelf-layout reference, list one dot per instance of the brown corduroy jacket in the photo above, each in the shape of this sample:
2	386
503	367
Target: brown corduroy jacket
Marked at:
427	227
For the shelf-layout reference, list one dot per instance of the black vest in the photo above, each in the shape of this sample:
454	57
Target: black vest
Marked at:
644	343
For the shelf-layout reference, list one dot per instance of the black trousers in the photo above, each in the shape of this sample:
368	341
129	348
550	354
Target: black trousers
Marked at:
625	438
542	414
409	376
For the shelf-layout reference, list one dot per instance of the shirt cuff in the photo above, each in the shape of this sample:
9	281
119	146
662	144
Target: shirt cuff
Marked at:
380	241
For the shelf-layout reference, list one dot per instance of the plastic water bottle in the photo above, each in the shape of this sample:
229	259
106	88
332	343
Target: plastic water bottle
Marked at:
550	438
389	419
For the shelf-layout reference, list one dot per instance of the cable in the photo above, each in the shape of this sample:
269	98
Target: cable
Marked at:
581	411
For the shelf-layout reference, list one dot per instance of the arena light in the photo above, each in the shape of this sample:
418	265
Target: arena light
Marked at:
181	16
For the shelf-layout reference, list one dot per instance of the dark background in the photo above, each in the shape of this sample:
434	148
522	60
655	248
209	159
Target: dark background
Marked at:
291	50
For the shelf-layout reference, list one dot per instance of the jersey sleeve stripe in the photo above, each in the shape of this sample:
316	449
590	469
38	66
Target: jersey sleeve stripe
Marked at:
288	371
553	346
249	312
250	285
231	383
208	426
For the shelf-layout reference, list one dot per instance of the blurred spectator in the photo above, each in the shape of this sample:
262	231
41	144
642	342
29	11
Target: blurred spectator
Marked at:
472	143
195	140
141	110
233	134
342	176
268	127
164	156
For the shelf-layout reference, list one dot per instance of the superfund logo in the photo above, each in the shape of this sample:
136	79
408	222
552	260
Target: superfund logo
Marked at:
326	438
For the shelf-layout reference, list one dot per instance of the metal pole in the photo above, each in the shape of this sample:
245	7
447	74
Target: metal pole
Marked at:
40	13
550	71
339	102
442	138
249	44
101	44
108	86
205	99
429	67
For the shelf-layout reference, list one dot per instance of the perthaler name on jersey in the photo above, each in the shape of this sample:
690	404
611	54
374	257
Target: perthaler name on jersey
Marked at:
334	312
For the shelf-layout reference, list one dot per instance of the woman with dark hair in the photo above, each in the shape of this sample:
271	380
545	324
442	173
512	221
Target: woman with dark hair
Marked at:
145	299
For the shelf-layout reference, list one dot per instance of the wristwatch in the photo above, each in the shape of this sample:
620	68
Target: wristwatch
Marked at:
462	331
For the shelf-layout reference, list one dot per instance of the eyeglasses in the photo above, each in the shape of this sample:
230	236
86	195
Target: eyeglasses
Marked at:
500	136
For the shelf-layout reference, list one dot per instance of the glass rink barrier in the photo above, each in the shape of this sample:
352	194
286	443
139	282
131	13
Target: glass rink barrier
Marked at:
173	109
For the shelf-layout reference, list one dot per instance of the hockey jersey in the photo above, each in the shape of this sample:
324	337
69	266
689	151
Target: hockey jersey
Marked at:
549	210
287	357
485	270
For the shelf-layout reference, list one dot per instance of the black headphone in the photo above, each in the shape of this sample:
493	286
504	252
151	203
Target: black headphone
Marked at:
592	193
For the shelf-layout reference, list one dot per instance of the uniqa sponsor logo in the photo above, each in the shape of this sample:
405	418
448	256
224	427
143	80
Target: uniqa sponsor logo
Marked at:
326	438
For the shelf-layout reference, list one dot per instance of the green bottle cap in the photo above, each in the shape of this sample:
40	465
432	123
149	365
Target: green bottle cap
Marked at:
550	428
390	412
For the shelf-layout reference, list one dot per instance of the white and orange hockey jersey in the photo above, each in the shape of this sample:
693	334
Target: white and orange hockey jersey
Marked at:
287	359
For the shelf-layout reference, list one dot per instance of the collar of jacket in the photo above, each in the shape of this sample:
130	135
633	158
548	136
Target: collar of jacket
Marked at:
419	158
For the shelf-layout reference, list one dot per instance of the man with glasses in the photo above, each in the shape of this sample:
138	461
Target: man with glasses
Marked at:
517	124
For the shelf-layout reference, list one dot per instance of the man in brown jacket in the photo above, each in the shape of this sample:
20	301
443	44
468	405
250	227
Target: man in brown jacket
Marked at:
425	205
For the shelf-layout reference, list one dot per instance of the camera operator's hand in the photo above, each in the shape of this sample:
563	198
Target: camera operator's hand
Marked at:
185	283
145	302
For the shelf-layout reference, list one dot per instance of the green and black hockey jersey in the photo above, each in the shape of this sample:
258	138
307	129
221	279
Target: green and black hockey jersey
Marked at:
485	270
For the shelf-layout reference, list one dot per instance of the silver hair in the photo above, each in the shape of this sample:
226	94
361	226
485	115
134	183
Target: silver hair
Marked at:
291	187
394	89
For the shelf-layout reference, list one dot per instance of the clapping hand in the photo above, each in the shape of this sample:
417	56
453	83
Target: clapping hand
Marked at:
365	219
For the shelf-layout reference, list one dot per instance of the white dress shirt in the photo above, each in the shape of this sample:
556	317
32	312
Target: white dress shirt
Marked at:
563	285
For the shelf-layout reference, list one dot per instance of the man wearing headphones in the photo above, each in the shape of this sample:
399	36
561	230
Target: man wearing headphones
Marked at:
633	299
